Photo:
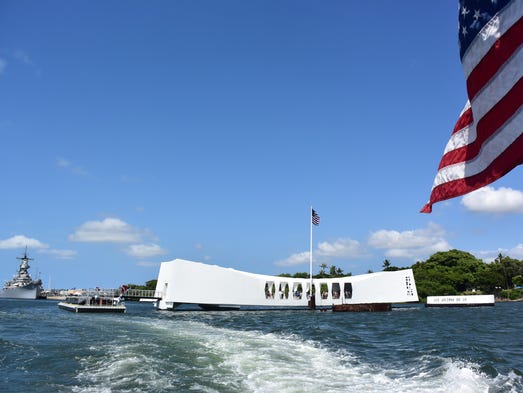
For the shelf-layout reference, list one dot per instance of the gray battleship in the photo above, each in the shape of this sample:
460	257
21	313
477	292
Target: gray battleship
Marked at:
22	286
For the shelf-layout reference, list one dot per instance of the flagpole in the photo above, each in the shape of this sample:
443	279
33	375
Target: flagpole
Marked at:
315	220
310	254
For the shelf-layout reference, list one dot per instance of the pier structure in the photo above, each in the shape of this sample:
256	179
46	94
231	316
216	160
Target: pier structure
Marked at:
142	294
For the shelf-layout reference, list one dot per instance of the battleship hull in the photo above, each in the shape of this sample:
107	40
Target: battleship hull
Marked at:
30	292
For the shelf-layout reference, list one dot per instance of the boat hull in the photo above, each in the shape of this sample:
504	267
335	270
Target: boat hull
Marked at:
29	292
86	308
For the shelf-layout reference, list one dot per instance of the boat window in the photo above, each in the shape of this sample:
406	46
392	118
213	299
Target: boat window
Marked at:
296	291
270	288
347	290
335	290
324	290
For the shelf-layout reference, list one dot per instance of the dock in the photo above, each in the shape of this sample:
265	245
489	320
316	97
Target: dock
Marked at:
143	295
460	301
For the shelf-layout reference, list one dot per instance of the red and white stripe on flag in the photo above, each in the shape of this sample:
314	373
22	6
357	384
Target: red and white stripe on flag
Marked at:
487	141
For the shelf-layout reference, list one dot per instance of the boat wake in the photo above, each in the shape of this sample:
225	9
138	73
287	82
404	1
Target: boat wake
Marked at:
165	355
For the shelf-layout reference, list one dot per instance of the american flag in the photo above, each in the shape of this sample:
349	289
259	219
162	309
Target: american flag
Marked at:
487	140
315	218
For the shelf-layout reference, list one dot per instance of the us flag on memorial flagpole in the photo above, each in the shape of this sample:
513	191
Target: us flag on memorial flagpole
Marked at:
487	140
315	218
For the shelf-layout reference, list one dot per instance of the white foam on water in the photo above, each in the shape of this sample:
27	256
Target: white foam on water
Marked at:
122	368
227	360
509	383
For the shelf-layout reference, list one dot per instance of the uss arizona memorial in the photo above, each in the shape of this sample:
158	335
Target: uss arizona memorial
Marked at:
214	287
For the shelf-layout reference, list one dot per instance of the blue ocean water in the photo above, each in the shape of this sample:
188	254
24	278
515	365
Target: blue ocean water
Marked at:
410	349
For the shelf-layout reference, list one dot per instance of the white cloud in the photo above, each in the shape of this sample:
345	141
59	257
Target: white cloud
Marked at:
25	59
327	251
340	248
490	255
419	243
489	200
145	250
3	66
60	254
20	241
295	259
74	169
415	245
110	230
515	252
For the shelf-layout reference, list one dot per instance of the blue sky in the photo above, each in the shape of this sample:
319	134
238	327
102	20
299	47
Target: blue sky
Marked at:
137	132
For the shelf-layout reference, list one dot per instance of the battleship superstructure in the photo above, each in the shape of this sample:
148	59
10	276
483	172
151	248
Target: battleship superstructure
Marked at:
22	286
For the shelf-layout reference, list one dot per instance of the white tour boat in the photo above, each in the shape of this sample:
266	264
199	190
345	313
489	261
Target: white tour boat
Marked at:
94	301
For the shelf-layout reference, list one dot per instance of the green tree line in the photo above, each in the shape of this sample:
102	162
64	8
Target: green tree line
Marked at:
151	285
457	272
